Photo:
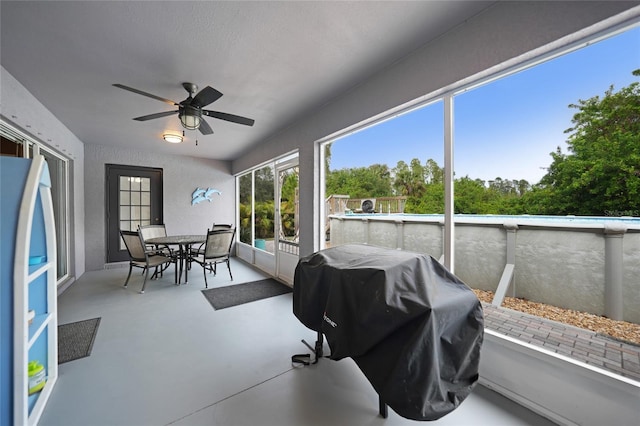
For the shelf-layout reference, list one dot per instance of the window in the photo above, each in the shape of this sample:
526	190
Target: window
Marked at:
257	204
14	143
245	207
257	208
58	174
506	138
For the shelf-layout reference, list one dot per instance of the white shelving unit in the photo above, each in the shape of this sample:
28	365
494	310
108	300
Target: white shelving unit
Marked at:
34	285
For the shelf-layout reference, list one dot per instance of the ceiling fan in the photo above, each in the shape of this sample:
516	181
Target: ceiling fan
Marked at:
190	110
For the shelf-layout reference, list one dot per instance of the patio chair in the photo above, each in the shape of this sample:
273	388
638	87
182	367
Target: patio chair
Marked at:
217	249
200	250
153	231
142	258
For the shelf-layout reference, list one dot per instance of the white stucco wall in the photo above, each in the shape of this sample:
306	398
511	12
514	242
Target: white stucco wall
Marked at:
21	109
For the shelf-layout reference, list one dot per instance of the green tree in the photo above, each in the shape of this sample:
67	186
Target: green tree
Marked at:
360	182
264	219
472	197
431	201
288	200
327	158
264	183
245	207
432	172
600	174
411	180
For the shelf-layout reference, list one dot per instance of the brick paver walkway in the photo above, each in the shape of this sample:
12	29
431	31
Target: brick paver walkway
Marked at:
580	344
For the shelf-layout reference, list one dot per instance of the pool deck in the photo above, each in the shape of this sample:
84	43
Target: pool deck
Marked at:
582	345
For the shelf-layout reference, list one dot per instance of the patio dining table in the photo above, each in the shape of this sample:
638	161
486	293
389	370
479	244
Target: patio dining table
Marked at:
184	243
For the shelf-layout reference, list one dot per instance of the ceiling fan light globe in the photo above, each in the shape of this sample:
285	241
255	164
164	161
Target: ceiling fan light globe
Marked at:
190	122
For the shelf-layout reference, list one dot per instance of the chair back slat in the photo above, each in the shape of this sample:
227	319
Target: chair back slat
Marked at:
134	244
152	231
218	243
217	226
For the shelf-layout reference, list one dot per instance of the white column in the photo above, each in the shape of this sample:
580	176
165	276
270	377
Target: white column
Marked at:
399	234
613	269
449	260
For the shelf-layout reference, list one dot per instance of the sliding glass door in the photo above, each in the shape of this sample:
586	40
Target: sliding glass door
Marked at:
16	144
268	217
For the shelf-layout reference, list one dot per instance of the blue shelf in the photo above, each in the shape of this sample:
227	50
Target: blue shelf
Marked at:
26	229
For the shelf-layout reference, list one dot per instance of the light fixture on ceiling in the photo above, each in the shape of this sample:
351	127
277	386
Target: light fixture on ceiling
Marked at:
172	138
190	118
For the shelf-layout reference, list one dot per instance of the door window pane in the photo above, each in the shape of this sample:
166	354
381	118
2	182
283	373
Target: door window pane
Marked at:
124	213
135	184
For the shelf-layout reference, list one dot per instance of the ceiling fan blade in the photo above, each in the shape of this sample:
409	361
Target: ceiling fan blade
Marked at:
156	115
229	117
204	128
205	97
149	95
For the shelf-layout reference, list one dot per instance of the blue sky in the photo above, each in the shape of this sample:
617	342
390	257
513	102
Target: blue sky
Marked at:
506	128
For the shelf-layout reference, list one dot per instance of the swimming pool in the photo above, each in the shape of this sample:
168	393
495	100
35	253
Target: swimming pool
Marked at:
533	220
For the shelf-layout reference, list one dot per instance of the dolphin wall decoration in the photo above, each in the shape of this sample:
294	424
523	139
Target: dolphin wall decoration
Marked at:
200	195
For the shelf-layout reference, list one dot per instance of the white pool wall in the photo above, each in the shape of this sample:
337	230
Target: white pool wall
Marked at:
558	260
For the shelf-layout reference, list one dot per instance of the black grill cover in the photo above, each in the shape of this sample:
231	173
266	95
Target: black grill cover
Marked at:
414	329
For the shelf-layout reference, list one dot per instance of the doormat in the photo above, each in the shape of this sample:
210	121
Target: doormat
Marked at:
75	340
233	295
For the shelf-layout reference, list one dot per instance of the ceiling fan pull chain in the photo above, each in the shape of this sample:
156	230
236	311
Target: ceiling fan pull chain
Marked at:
196	142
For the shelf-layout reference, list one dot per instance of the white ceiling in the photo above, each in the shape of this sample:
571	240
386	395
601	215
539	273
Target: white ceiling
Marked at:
275	62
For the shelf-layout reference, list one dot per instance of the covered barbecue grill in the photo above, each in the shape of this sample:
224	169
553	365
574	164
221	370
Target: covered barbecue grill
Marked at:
413	328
